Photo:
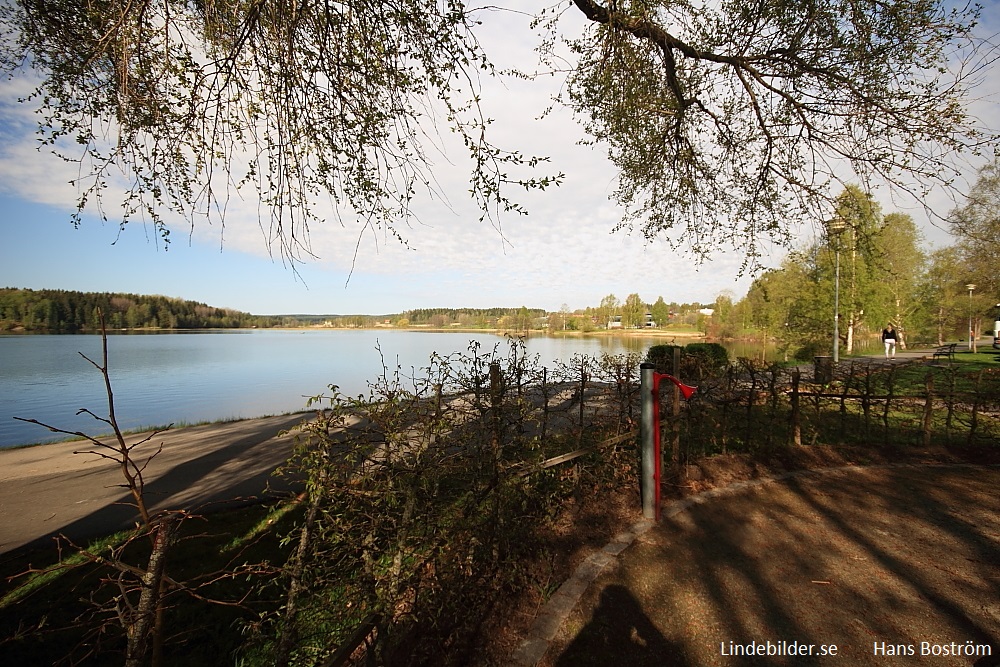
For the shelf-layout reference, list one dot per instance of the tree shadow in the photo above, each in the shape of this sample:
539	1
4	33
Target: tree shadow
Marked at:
619	629
193	485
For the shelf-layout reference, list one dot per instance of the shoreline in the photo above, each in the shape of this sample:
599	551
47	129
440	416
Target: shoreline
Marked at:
651	333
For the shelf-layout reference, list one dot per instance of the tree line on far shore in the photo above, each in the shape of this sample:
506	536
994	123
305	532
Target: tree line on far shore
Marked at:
68	311
65	311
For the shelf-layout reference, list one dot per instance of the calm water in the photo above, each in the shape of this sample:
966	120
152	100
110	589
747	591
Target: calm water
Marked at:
206	376
192	377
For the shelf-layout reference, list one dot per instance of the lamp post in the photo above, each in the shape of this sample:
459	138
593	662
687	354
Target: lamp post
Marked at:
834	228
970	287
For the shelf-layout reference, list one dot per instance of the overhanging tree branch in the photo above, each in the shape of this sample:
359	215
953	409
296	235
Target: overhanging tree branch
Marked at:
727	121
772	104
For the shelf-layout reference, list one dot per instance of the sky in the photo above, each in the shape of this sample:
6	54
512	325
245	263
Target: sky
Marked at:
563	252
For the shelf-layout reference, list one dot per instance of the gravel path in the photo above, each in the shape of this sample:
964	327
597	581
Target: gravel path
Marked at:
882	563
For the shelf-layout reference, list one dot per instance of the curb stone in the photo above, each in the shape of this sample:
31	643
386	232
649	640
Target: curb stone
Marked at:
558	608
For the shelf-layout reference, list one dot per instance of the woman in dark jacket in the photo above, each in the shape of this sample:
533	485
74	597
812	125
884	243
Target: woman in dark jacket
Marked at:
889	338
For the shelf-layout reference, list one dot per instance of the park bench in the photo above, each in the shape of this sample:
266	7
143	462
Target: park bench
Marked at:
945	351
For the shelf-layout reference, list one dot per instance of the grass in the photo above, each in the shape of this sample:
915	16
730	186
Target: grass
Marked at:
34	580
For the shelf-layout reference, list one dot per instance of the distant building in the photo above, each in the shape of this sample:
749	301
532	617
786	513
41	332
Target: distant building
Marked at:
615	322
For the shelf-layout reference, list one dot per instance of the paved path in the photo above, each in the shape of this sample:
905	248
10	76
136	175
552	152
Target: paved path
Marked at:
902	357
48	489
876	561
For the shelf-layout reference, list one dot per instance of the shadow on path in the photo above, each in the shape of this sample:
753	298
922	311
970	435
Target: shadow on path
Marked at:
620	628
856	558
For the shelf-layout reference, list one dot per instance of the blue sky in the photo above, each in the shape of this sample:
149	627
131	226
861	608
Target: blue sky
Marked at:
563	252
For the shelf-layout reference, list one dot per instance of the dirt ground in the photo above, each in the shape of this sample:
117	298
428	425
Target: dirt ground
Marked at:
884	563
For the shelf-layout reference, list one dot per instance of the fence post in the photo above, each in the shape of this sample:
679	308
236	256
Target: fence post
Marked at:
545	401
583	393
649	457
435	425
890	385
974	418
929	409
675	413
796	426
496	399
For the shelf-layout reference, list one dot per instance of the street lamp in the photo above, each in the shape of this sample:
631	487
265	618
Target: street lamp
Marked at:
970	287
834	228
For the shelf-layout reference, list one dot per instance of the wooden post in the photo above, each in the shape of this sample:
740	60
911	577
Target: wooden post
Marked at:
974	418
675	412
950	401
866	401
751	400
583	391
436	424
796	426
496	396
928	409
890	385
545	402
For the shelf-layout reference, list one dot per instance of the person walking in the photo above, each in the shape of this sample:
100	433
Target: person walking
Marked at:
889	339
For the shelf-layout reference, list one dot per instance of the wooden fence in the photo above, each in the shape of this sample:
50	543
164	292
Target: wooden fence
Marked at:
590	406
756	407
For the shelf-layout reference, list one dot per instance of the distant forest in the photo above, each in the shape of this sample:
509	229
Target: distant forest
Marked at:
62	311
65	311
514	318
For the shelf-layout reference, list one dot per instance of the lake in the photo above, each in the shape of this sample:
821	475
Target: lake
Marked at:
190	377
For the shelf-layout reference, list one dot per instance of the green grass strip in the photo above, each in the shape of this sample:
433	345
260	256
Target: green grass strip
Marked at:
36	580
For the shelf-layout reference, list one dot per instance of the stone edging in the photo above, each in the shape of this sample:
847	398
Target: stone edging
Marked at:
555	612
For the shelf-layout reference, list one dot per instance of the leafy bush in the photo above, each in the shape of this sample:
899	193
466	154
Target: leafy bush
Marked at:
662	356
698	360
711	357
812	349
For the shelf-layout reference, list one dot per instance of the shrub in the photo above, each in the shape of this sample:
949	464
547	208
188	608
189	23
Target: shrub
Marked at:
698	360
812	349
710	356
662	356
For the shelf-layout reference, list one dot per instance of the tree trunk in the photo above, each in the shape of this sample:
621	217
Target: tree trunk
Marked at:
144	624
900	336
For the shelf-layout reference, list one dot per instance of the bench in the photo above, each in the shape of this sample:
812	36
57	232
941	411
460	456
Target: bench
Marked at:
945	351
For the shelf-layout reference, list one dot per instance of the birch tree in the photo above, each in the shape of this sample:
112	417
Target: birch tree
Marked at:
901	266
976	224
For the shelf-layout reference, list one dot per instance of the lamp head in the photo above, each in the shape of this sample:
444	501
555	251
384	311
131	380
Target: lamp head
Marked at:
835	226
